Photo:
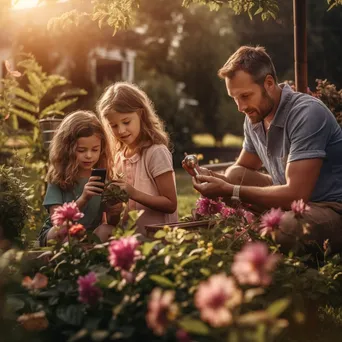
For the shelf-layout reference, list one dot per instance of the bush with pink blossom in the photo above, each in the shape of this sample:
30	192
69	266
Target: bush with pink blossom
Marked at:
229	282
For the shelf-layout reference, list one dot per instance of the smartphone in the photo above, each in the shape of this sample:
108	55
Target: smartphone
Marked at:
99	173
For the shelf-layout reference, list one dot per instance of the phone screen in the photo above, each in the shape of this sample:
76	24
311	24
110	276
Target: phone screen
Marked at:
99	173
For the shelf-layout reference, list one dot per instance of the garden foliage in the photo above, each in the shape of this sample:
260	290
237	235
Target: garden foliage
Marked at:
228	282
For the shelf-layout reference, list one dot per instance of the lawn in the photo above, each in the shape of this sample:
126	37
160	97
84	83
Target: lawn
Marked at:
186	194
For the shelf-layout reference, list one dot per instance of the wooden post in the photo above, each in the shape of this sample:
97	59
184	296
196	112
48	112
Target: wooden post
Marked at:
300	45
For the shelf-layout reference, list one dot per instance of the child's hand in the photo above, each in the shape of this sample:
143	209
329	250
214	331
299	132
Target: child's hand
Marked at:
126	187
92	188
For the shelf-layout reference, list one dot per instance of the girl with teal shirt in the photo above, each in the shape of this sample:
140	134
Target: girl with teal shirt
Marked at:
80	144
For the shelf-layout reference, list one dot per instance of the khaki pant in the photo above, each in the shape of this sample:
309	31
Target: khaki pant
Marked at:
324	219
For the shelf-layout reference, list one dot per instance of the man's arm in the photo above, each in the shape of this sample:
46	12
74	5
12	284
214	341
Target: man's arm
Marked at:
246	159
301	177
249	160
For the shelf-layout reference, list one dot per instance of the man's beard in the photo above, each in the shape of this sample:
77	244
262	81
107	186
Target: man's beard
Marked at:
265	108
269	105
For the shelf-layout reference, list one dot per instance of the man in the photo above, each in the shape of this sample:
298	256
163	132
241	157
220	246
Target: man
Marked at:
295	137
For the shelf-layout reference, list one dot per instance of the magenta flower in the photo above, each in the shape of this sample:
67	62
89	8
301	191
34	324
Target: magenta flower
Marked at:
299	207
227	212
123	253
249	217
206	206
65	213
216	297
270	221
88	292
182	336
253	264
161	310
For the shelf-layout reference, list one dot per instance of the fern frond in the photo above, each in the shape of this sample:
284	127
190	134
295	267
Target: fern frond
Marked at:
25	95
25	105
71	92
24	115
36	85
57	107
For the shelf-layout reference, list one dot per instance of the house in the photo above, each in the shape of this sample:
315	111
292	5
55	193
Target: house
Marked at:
103	61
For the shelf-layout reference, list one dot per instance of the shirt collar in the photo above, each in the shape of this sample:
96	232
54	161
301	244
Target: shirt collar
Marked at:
132	159
281	113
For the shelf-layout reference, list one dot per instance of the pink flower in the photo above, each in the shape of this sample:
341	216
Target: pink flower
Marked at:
270	221
161	310
299	207
65	213
206	206
227	212
248	216
88	292
39	281
128	276
77	231
182	336
215	297
253	265
123	253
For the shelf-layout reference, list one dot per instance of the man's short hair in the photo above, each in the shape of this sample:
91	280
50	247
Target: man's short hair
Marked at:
253	60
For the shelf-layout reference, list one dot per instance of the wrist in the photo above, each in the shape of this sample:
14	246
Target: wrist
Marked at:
228	190
236	193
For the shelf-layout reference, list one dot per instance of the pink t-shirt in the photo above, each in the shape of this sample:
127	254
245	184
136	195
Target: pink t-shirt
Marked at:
140	170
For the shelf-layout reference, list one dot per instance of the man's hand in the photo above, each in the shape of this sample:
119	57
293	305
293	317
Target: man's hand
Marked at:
212	187
200	170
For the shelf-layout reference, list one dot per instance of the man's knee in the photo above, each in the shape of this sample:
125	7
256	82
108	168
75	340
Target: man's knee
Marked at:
234	174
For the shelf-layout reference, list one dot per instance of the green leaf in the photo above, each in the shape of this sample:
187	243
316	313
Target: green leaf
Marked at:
187	260
25	105
162	281
148	247
57	107
259	10
278	307
159	234
24	115
72	314
99	335
14	304
194	326
25	95
79	335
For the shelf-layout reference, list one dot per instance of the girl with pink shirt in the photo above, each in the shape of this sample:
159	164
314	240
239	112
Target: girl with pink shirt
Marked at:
141	153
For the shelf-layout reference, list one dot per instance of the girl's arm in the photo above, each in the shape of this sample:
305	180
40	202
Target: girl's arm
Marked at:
166	202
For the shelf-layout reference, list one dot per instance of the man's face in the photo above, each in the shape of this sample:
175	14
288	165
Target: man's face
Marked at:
252	99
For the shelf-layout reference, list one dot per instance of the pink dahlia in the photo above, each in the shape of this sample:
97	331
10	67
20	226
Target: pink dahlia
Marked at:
216	297
299	207
253	264
123	253
270	221
227	212
206	206
161	310
66	213
88	292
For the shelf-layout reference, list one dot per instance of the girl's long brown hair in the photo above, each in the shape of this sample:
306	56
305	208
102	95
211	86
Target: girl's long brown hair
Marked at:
125	97
63	168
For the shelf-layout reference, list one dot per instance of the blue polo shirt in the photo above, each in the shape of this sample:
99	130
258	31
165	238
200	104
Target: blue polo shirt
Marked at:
302	128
